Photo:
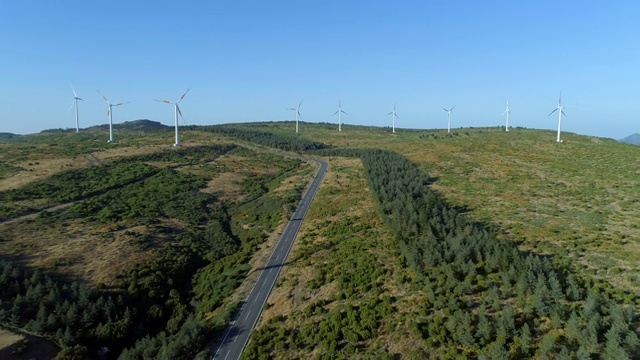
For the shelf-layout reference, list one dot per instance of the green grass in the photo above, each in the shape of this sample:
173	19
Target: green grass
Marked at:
579	196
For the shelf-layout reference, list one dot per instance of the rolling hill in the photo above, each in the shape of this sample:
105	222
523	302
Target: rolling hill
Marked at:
420	244
136	125
632	139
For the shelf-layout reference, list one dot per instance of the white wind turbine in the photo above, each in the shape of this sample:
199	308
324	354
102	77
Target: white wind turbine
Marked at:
507	112
560	110
298	116
449	116
75	103
340	112
177	112
393	117
109	113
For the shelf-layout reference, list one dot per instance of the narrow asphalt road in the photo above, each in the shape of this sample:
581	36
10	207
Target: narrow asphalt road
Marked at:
237	334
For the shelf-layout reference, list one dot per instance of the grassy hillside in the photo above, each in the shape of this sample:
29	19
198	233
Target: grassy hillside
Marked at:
577	199
179	224
384	267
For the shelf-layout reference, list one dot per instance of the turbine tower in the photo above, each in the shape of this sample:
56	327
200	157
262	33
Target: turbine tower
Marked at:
560	110
177	112
393	117
449	122
75	103
298	116
340	112
507	112
109	113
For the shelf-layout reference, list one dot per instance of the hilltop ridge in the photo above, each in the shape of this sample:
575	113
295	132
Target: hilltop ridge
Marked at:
633	139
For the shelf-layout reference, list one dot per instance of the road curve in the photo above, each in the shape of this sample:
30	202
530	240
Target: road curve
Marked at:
237	334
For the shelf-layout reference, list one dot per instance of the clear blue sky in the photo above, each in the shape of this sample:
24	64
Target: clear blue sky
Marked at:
249	60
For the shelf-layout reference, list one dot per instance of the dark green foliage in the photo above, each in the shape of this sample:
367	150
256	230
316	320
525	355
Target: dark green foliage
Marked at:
80	184
458	259
184	344
267	138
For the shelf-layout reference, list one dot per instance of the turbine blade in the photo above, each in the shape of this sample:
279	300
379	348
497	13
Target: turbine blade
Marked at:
74	91
390	113
344	112
334	113
447	110
104	97
183	95
179	112
551	113
452	108
71	107
563	113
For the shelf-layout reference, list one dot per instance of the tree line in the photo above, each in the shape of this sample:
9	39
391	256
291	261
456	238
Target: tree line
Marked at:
486	297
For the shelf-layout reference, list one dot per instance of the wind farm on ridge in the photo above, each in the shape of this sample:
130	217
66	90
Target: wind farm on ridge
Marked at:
298	116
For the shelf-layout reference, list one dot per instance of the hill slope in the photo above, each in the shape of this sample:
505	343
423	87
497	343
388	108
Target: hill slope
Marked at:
632	139
136	125
576	199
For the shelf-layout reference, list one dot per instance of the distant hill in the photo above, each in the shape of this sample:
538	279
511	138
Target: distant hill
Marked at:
632	139
7	135
137	125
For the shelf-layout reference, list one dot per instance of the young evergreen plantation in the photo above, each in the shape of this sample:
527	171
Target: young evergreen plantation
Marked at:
456	287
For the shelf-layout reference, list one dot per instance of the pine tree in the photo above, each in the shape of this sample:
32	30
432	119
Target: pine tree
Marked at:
525	338
612	349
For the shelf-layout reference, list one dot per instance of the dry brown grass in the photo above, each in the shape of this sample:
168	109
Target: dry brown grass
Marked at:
7	338
22	347
87	252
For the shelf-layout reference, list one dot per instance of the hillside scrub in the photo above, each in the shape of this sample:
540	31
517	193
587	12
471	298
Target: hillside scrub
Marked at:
485	297
157	308
79	184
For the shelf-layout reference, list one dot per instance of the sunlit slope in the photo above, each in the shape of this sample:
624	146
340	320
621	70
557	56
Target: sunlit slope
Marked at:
580	198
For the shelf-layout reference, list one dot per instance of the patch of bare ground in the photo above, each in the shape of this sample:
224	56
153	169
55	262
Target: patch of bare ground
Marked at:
84	251
7	338
227	185
344	194
14	346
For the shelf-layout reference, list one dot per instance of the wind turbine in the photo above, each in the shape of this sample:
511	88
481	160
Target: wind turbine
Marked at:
340	112
393	117
177	112
449	113
560	110
75	103
297	110
109	113
507	112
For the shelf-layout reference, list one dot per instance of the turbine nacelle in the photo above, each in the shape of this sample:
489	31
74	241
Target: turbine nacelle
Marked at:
178	113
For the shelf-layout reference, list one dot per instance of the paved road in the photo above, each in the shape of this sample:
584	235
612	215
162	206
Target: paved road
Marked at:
238	332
